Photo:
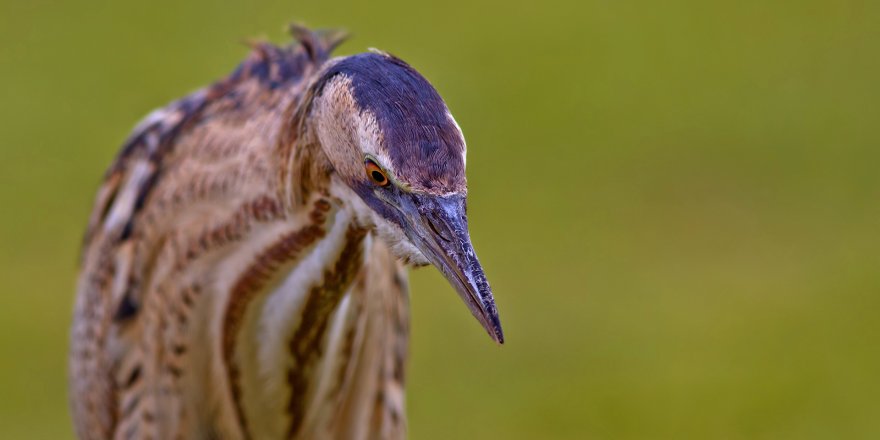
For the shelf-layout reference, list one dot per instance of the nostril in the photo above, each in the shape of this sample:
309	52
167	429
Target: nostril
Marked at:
436	231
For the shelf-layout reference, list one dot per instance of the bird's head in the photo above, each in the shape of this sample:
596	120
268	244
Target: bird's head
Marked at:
392	142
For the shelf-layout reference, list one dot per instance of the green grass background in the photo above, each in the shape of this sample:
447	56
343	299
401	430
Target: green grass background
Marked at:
676	202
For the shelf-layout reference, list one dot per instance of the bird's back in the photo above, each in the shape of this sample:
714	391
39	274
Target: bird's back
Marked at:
211	305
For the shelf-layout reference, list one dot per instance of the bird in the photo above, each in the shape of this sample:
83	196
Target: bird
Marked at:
244	267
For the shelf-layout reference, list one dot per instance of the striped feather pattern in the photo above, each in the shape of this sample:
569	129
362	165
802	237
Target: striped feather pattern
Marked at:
210	303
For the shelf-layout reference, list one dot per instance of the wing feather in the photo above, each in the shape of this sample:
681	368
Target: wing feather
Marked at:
197	160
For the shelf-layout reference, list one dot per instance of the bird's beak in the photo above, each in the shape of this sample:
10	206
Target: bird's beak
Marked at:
437	225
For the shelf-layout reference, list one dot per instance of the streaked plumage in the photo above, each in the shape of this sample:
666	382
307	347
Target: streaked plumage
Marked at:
242	276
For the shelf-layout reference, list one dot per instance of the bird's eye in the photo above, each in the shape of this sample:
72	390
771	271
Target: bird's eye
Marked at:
375	173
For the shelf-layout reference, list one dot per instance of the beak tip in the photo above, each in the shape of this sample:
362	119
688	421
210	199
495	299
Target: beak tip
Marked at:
495	330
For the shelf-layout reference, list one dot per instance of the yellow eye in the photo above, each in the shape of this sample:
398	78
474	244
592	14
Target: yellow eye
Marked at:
375	173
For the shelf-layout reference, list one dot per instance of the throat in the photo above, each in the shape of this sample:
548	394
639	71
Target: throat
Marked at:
280	348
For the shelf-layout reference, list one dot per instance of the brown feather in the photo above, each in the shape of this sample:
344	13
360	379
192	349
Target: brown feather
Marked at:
203	204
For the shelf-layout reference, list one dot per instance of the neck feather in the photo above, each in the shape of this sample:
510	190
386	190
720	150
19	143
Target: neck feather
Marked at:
290	317
304	167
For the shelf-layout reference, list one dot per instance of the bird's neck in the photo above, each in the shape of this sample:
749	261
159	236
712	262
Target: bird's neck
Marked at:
304	168
303	163
277	352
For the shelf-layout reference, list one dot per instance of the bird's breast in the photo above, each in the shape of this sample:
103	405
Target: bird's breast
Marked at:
275	314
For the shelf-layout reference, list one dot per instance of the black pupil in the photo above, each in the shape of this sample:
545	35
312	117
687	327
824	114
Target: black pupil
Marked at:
377	176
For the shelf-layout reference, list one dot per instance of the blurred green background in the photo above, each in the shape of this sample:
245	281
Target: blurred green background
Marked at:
676	202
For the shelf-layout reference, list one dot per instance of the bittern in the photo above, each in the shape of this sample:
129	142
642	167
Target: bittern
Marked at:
244	267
